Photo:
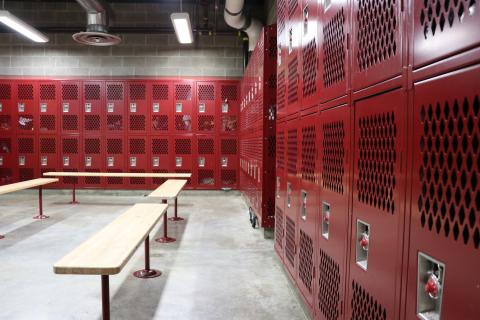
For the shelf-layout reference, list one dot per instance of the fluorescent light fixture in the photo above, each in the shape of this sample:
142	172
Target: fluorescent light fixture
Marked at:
18	25
182	26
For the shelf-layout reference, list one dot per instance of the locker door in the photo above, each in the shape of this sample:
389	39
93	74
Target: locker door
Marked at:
183	106
280	189
332	227
206	113
26	110
378	209
49	154
7	160
138	160
282	22
93	161
228	162
183	157
27	157
138	108
229	106
161	149
115	107
161	107
206	163
7	108
48	107
93	114
72	159
444	255
294	67
114	159
71	107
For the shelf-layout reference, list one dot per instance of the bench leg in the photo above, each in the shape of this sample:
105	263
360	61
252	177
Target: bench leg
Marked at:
175	217
40	215
2	236
147	272
74	200
105	298
165	238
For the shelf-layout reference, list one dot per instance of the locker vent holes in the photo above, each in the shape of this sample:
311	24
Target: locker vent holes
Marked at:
229	177
48	145
70	146
281	9
435	16
69	92
92	122
280	150
5	122
114	92
25	92
206	123
70	122
206	92
305	262
47	92
292	5
376	161
160	146
310	66
183	92
137	146
206	146
160	123
92	146
25	174
160	92
183	146
279	227
293	81
364	306
449	200
228	146
229	92
47	122
334	50
292	152
308	153
377	24
137	92
137	122
183	122
5	146
114	122
114	146
5	92
25	145
92	92
206	177
290	241
25	122
281	90
329	287
333	156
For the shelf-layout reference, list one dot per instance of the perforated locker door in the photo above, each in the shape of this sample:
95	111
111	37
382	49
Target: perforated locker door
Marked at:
183	157
333	54
294	59
309	205
115	107
228	162
183	110
332	225
26	106
280	188
49	149
309	53
115	159
7	160
161	148
93	160
138	107
93	107
71	107
445	217
161	107
206	120
48	106
71	157
138	160
377	41
437	26
27	157
228	107
281	77
378	209
206	165
7	108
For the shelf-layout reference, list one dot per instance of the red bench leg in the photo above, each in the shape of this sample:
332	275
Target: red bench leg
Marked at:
165	238
40	215
74	201
105	298
147	272
175	217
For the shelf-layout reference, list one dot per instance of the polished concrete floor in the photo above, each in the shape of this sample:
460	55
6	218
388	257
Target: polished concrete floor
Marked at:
219	268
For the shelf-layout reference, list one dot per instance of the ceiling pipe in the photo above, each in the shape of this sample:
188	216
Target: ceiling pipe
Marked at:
235	18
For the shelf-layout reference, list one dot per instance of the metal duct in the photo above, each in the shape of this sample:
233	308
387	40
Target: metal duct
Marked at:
235	18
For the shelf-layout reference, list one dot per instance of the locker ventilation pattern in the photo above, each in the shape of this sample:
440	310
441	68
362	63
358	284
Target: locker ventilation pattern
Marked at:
206	177
25	174
5	146
92	146
229	92
293	81
160	146
290	241
69	92
377	23
228	146
281	10
229	177
5	122
436	15
229	123
25	92
329	287
92	122
308	153
48	145
206	123
310	64
292	5
159	181
364	306
47	122
281	150
5	91
70	146
206	146
114	146
160	123
137	122
292	151
449	201
70	122
92	92
183	146
279	226
114	122
137	91
25	122
92	180
47	92
333	156
114	92
281	90
70	180
183	92
334	50
376	163
206	92
183	122
137	146
305	261
25	145
160	92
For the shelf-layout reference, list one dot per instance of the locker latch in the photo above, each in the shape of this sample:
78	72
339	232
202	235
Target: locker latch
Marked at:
156	161
133	107
43	107
43	161
156	107
21	160
278	188
66	107
88	161
21	107
88	107
325	219
224	162
303	212
289	195
363	243
1	107
110	161
133	161
429	287
201	161
290	40
225	106
110	107
178	161
201	107
66	161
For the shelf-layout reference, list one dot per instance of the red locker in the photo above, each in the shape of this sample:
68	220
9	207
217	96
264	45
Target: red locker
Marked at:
93	108
7	108
26	110
71	107
161	107
115	159
378	207
138	107
206	113
228	107
294	66
115	107
27	157
49	154
229	174
138	161
7	160
48	107
444	255
333	53
161	148
333	221
183	157
280	189
206	164
183	109
282	22
94	160
72	159
377	41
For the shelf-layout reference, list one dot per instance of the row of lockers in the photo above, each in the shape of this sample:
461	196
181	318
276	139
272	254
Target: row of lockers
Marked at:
212	159
131	106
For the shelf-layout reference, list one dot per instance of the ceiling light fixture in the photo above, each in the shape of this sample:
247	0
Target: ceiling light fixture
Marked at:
182	26
20	26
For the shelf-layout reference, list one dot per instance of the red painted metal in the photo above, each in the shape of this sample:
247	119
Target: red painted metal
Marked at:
206	120
26	149
184	112
93	109
115	112
8	160
71	158
280	188
176	217
71	107
161	107
48	154
183	157
206	162
229	151
105	297
26	108
115	159
93	160
294	70
161	148
147	273
49	97
40	215
228	106
7	107
138	106
165	238
138	160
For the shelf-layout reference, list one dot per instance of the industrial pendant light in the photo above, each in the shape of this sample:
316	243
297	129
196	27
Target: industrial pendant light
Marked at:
20	26
182	26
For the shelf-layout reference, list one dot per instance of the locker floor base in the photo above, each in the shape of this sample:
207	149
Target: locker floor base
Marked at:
219	268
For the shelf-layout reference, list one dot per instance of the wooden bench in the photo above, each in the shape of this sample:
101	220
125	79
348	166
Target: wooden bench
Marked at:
115	174
108	251
169	190
8	188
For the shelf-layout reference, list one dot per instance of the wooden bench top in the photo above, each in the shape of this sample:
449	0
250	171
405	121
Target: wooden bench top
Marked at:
118	174
169	189
107	252
26	185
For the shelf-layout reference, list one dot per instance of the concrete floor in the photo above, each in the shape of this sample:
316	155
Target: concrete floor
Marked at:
219	268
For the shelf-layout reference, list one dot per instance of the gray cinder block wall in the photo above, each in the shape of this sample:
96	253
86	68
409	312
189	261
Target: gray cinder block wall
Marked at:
138	54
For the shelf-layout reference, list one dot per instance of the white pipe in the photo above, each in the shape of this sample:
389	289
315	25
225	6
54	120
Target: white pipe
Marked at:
235	18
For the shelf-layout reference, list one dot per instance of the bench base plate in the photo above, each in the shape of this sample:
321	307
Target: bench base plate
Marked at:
165	240
41	217
147	274
176	219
